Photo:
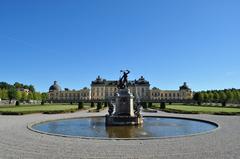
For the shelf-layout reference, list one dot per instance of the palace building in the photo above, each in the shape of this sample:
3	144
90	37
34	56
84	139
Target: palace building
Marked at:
184	93
102	89
57	94
105	89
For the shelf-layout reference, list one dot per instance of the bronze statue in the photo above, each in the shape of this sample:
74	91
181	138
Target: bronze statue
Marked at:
137	107
123	81
111	108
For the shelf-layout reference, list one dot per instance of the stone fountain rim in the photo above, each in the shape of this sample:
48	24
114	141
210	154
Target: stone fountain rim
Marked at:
30	127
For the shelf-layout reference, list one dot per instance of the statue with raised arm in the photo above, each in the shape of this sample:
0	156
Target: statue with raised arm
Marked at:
122	110
123	81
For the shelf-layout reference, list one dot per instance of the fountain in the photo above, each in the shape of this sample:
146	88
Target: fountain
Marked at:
124	121
125	112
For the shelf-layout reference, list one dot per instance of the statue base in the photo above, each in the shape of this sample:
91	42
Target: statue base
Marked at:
123	120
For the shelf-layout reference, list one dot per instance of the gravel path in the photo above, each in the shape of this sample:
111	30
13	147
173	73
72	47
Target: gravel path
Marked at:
16	141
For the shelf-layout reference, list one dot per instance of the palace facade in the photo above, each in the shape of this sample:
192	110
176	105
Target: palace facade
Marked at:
102	89
105	89
57	94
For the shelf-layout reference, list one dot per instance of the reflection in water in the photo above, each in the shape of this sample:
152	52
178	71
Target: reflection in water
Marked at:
152	127
123	131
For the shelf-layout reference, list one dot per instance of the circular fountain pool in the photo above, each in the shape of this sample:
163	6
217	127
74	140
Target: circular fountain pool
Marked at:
153	127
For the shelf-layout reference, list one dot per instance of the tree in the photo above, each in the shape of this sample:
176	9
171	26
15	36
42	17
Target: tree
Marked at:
30	96
1	94
25	87
24	96
210	97
18	95
205	97
37	96
4	85
4	94
229	96
222	98
31	88
12	93
44	96
18	85
215	97
238	97
198	97
235	96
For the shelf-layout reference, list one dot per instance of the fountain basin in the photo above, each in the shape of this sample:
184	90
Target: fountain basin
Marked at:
154	127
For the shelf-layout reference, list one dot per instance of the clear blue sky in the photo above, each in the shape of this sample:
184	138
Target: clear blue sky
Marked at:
167	41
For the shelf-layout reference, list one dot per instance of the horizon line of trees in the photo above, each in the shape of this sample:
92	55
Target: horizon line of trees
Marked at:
218	96
10	92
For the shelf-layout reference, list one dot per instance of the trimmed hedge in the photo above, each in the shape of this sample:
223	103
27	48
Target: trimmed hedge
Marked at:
60	111
92	104
99	105
43	112
80	105
162	105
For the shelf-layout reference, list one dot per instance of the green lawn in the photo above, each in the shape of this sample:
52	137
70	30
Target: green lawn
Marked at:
48	109
178	108
203	108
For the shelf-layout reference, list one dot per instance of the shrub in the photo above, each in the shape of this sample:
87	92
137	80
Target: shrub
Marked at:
92	104
105	104
162	105
80	105
144	105
224	104
150	104
17	103
99	105
59	111
42	102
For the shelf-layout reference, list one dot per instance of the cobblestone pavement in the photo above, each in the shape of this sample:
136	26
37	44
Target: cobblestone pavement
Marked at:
16	141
